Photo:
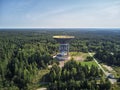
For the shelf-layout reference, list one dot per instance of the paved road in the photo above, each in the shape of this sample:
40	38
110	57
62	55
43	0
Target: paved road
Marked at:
106	73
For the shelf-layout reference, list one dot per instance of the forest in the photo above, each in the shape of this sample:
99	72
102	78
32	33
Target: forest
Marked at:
74	76
24	53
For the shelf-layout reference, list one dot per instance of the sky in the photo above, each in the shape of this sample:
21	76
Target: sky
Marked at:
59	13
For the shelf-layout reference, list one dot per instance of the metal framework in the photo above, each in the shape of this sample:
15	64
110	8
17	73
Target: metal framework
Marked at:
63	47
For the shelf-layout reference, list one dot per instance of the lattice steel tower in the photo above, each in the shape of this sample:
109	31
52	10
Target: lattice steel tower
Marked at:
63	47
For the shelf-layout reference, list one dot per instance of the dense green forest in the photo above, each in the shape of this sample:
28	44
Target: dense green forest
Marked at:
110	58
23	53
74	76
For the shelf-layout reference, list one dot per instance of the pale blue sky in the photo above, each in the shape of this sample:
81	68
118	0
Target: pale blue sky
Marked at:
59	13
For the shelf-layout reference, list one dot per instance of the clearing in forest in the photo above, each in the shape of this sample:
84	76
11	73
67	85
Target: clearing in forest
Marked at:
80	57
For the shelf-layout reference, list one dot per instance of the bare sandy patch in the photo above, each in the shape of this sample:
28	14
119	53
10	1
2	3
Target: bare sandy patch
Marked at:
78	58
61	63
41	89
109	68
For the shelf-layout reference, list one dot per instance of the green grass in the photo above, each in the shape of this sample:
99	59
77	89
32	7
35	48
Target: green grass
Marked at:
117	69
37	79
116	86
89	63
84	55
93	54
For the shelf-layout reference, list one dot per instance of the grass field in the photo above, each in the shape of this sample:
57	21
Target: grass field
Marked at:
83	56
89	63
117	69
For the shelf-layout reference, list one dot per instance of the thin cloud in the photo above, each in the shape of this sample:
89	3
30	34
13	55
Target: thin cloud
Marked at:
80	14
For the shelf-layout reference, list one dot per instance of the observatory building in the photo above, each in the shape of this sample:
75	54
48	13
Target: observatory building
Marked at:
63	47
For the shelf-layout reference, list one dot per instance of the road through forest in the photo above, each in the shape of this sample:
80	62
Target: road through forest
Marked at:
112	80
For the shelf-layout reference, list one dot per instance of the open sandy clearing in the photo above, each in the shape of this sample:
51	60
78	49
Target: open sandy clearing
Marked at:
78	56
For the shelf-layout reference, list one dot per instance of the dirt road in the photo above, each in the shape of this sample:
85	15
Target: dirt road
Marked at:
106	73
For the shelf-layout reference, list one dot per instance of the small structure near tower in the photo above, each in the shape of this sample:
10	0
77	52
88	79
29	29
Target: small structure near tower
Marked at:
64	46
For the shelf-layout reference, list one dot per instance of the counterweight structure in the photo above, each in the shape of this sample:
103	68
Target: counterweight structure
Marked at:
63	47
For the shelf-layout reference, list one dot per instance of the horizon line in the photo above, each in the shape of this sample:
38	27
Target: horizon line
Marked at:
59	27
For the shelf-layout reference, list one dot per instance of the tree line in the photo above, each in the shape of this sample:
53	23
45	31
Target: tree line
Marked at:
24	53
74	76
